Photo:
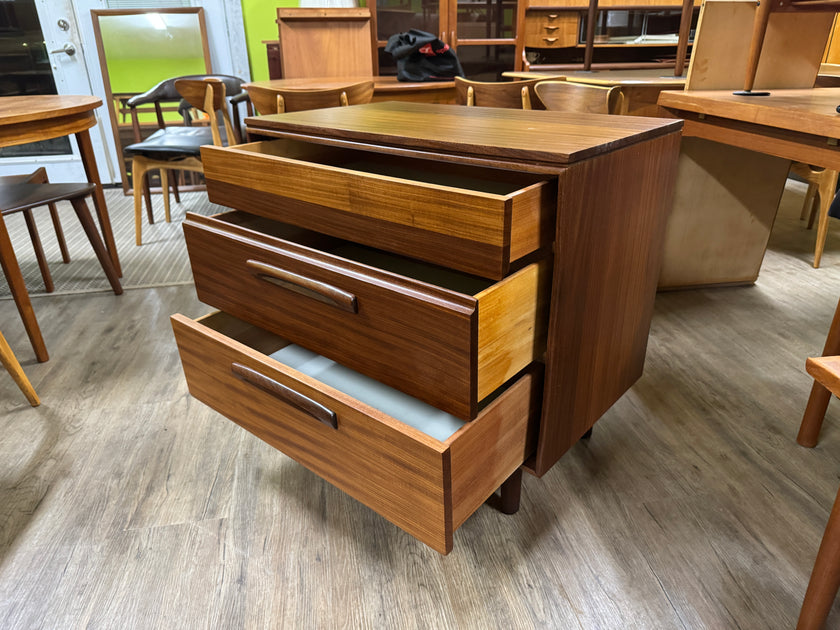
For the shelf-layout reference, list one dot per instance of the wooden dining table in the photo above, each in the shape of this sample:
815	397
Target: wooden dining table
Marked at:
32	118
385	88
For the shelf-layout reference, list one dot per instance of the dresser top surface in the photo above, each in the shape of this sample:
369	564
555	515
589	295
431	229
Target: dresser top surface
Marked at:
528	136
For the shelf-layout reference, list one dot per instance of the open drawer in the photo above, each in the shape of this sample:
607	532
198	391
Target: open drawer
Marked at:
445	337
426	485
474	219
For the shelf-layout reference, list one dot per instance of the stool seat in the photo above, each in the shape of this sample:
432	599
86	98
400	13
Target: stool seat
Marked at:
15	197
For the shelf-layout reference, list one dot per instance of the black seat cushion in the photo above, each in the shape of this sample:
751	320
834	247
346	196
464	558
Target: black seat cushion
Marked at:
173	143
15	197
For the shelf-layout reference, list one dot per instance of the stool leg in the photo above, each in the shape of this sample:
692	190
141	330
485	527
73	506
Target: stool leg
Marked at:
10	362
825	577
89	227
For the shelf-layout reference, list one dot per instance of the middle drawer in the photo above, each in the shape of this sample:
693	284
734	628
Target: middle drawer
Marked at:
444	337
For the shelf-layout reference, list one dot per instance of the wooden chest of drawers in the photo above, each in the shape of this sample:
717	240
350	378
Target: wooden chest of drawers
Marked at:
418	300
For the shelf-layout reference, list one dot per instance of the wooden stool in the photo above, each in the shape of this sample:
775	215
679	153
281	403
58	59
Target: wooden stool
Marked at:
10	362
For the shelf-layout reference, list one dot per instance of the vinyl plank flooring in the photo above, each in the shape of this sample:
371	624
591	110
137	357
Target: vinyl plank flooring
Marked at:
126	503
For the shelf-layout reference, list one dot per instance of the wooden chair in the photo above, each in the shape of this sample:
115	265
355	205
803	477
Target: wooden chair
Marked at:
508	94
762	18
10	362
565	96
39	177
173	147
21	197
267	100
822	183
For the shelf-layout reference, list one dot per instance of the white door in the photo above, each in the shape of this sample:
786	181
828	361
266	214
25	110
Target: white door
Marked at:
45	57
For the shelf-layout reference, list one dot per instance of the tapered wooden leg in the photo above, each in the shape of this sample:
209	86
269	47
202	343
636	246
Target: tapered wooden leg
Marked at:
809	429
825	577
164	184
175	175
89	227
138	171
21	296
147	194
39	250
89	162
828	182
808	205
59	234
10	362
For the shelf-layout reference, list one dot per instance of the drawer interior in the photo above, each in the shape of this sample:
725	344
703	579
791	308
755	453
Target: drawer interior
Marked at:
415	413
476	178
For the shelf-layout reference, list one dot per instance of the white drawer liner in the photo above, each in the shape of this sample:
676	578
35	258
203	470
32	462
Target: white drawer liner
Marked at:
415	413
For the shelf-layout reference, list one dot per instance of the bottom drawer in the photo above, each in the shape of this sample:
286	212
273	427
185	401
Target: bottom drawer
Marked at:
422	469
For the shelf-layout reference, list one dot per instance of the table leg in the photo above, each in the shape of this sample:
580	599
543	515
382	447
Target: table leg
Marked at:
21	296
89	162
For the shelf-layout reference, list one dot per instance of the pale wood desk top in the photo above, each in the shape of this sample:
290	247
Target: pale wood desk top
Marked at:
522	135
801	125
40	117
647	77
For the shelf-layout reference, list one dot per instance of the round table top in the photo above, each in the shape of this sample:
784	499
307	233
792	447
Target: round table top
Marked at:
26	109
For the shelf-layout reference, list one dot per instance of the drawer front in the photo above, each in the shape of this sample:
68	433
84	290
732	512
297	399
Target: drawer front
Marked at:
421	339
422	485
458	227
546	29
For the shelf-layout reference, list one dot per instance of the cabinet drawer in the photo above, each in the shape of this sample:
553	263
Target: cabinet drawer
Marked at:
445	337
426	485
546	29
474	219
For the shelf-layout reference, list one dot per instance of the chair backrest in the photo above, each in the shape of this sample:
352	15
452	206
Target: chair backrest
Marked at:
268	100
510	94
208	96
565	96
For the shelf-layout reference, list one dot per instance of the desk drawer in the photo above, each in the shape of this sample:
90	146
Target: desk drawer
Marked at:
425	485
474	219
551	29
445	337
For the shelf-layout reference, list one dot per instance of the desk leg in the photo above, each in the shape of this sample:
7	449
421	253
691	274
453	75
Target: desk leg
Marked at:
21	296
809	430
89	162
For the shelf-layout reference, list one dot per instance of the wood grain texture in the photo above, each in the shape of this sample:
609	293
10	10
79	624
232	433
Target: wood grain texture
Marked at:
522	137
503	211
605	274
30	118
447	348
550	29
126	503
397	471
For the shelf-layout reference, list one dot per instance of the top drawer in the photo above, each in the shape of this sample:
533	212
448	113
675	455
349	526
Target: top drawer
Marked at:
473	219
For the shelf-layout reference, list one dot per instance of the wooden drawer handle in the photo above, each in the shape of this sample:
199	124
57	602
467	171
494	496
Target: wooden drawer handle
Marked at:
286	394
315	289
552	16
551	28
549	40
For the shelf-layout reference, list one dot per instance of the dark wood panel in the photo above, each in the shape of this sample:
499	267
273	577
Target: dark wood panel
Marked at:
609	239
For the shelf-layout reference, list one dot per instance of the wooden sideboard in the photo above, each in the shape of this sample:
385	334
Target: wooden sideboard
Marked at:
490	273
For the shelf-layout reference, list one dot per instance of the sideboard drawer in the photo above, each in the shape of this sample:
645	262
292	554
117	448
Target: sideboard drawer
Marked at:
444	337
551	29
474	219
426	485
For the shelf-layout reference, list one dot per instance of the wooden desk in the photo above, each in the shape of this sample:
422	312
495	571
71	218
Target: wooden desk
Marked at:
640	88
385	88
736	155
28	119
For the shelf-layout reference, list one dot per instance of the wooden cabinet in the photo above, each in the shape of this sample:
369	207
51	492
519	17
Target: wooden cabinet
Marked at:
418	300
638	34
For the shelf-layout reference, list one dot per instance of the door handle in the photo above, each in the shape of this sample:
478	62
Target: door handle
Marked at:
68	49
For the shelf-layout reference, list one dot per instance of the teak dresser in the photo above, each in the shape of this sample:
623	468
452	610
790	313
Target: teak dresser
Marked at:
417	300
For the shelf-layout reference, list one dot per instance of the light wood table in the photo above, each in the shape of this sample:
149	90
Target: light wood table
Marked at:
640	88
385	88
41	117
734	176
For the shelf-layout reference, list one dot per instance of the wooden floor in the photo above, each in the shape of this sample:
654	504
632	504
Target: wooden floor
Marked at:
126	504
